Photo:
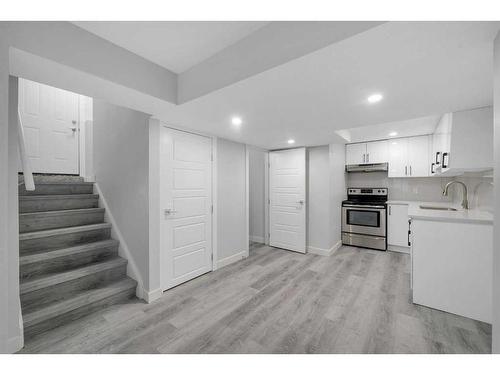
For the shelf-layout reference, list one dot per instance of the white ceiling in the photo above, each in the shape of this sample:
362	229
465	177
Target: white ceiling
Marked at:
422	68
175	45
406	128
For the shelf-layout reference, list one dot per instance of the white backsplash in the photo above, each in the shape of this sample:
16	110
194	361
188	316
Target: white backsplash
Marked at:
480	189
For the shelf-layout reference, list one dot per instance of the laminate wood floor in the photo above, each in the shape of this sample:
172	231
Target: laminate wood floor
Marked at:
277	301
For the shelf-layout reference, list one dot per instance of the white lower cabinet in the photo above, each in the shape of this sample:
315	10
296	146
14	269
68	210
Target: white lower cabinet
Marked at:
451	267
397	227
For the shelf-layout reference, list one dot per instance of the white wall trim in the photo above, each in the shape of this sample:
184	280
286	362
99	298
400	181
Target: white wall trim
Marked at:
399	249
266	199
85	142
247	200
215	240
258	239
123	249
152	295
324	252
14	344
231	259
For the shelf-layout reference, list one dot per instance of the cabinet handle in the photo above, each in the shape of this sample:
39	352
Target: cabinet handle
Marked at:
406	170
410	170
364	158
409	232
390	210
446	156
437	158
432	168
367	158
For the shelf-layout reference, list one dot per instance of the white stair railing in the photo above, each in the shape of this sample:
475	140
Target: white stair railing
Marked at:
29	183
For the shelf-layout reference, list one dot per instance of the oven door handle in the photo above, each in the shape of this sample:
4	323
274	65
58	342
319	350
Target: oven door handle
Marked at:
365	207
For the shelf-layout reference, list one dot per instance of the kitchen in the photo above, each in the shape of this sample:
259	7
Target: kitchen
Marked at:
431	196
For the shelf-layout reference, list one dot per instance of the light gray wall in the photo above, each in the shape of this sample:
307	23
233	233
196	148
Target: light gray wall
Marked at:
121	165
496	235
337	190
4	197
257	170
231	199
318	196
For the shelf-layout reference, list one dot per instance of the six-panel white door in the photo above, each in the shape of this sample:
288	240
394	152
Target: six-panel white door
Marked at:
186	206
50	119
287	186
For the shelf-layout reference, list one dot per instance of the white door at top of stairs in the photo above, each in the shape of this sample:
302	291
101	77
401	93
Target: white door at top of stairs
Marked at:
50	118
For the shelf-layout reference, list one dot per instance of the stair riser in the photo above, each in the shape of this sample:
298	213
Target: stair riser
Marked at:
56	204
36	222
63	240
45	296
58	189
34	329
65	263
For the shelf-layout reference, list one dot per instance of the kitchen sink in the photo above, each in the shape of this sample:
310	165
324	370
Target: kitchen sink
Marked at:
441	208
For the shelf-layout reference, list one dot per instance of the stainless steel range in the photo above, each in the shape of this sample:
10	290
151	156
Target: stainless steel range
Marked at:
364	218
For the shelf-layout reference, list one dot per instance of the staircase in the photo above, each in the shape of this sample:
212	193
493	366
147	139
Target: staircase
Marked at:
69	264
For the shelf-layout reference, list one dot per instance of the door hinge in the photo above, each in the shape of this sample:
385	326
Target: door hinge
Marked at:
268	201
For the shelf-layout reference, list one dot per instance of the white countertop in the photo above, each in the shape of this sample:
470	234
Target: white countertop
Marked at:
470	216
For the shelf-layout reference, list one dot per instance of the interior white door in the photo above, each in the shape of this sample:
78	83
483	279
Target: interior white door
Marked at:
50	119
186	206
287	186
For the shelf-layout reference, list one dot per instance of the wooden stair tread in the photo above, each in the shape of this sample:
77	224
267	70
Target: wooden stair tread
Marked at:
58	196
58	231
74	211
74	250
62	277
81	300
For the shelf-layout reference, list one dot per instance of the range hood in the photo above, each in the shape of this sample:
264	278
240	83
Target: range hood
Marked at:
378	167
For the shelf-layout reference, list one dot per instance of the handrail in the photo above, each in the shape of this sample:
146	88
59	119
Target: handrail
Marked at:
29	182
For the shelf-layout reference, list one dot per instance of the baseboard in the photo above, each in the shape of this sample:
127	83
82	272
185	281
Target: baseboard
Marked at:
257	239
399	249
149	296
123	249
14	344
324	252
231	259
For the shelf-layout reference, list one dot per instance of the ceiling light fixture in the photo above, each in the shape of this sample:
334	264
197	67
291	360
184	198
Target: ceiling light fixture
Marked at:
393	134
236	121
375	98
291	141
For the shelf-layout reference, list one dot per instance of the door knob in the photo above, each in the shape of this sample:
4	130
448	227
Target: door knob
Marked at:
169	211
73	129
300	202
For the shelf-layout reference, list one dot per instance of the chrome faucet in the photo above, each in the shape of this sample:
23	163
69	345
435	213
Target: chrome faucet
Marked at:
465	202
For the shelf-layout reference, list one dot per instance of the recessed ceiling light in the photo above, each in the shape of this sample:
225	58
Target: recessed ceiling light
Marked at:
393	134
237	121
374	98
291	141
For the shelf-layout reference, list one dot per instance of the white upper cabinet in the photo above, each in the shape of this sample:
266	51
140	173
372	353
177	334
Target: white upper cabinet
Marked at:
398	157
377	152
409	157
355	153
366	153
463	142
418	156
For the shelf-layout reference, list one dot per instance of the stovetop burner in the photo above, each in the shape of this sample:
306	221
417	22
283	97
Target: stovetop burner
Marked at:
366	196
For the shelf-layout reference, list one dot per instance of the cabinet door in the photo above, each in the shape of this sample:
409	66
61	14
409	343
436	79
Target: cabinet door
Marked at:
377	152
397	225
355	153
398	157
418	156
